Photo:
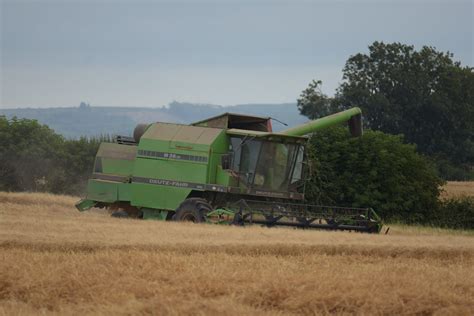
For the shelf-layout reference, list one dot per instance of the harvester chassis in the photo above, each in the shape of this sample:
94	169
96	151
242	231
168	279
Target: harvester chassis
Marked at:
228	169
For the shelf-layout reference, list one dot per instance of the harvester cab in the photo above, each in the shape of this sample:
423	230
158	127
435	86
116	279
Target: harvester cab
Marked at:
228	169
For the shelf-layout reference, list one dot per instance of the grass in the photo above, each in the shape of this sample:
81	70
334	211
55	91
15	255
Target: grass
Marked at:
55	260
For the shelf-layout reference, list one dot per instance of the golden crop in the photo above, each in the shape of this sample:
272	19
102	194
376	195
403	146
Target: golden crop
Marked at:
56	260
456	189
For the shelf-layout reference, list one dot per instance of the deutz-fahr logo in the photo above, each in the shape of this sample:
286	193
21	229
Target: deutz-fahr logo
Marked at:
169	182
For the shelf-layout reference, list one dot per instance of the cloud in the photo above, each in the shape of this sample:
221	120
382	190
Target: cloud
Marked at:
149	53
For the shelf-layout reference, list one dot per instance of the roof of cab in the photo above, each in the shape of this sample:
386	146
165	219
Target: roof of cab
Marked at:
235	115
240	121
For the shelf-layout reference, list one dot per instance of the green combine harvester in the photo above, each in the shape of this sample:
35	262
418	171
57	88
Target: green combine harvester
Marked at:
228	169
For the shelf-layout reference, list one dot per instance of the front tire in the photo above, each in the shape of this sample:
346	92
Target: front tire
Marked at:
192	210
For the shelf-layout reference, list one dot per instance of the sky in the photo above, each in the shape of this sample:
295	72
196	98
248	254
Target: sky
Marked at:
150	53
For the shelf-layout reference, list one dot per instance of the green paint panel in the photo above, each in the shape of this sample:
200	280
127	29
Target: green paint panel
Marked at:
154	144
119	167
223	178
218	148
84	205
117	151
158	196
102	191
170	170
221	143
125	192
174	147
182	134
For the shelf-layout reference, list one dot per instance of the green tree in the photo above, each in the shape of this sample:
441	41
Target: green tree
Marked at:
377	170
34	158
313	103
424	95
28	152
457	213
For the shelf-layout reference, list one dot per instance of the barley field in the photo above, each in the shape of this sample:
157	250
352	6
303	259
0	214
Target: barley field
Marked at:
455	189
55	260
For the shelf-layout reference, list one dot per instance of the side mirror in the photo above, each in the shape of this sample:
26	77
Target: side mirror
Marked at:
226	161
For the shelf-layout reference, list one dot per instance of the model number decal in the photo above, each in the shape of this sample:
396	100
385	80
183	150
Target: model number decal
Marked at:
158	154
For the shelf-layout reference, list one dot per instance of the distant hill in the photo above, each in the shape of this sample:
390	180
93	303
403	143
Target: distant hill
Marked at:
85	120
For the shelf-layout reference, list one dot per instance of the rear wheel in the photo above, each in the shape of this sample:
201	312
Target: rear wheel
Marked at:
192	210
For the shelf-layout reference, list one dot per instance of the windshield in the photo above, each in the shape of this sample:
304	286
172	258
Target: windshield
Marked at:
267	165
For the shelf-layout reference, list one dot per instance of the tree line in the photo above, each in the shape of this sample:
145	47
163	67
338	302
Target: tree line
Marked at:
34	158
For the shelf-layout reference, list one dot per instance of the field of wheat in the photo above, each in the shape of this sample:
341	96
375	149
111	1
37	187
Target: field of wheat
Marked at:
56	260
456	189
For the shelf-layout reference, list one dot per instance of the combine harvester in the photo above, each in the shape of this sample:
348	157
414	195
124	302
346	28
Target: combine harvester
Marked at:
228	169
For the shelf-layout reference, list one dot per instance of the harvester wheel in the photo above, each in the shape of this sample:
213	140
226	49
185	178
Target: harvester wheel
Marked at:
192	210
